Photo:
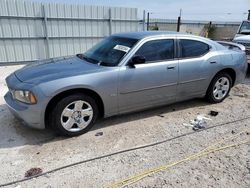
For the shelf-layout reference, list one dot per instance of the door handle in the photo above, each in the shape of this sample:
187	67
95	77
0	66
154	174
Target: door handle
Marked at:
213	62
171	67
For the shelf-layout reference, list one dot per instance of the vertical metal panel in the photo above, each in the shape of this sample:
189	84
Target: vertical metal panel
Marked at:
110	22
46	30
10	50
3	8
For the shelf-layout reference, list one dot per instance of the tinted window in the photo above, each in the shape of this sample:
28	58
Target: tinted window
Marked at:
193	48
157	50
109	51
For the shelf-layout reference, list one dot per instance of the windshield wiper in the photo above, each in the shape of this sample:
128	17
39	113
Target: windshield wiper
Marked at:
91	60
101	63
94	61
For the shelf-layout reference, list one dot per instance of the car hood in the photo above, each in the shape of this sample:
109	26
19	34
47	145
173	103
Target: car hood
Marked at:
242	38
56	68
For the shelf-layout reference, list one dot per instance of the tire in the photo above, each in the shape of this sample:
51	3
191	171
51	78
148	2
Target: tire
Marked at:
217	91
78	110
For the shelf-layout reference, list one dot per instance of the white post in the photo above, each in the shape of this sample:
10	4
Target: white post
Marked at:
143	20
46	31
110	21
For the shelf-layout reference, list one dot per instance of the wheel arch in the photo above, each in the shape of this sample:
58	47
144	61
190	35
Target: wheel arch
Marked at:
229	71
68	92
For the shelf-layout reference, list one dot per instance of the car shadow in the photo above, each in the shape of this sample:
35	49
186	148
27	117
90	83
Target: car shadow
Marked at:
14	133
155	111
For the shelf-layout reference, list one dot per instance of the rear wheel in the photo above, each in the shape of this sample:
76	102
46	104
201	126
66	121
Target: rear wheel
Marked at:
219	88
74	115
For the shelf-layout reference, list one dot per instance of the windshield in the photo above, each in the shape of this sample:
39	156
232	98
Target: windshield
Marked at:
109	51
245	28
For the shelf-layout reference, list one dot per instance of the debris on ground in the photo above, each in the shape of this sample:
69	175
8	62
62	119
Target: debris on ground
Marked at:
213	113
160	115
32	172
240	95
99	134
198	123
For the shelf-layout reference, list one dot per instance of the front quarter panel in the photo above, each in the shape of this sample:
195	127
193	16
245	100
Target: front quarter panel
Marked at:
104	83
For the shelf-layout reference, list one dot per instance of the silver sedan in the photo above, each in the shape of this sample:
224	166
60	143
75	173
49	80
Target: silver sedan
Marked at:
123	73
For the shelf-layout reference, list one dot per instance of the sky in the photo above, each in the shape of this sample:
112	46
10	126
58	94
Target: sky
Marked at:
209	10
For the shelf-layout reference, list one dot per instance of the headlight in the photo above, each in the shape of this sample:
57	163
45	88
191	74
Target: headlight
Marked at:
24	96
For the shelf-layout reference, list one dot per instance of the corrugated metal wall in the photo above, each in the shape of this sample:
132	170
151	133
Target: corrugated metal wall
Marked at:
31	30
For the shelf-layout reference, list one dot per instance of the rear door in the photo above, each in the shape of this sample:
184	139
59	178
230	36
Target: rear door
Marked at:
152	83
196	65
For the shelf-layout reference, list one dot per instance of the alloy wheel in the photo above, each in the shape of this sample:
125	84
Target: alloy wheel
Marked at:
221	88
76	116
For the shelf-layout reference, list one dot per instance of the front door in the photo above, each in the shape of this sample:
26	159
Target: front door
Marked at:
150	84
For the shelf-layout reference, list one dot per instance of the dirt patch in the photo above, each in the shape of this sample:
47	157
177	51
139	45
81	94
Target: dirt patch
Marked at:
33	172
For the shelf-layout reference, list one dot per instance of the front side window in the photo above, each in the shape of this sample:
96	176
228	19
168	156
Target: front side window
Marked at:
157	50
109	51
193	48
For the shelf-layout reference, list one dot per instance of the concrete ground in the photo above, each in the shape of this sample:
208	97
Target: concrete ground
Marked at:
22	148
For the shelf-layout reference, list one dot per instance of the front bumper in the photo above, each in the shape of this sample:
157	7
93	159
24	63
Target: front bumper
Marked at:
32	115
29	114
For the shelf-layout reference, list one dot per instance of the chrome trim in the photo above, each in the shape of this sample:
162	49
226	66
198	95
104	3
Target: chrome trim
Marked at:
149	88
195	80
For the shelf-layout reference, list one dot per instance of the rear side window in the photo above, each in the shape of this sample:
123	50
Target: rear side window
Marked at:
157	50
193	48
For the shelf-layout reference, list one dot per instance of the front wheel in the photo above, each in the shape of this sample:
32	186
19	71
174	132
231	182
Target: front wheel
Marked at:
74	115
219	88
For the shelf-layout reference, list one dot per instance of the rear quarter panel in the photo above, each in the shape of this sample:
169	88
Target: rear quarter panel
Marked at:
235	60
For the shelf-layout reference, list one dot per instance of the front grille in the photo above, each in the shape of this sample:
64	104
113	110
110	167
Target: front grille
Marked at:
248	52
247	45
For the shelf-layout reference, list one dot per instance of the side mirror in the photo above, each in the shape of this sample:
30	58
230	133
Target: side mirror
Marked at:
138	59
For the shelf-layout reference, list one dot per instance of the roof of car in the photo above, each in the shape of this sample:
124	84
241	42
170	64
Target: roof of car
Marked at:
144	34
